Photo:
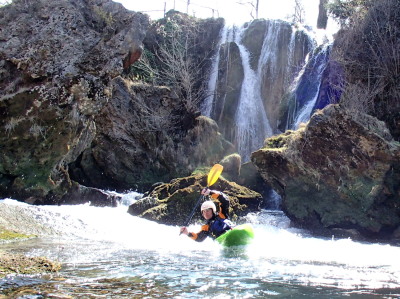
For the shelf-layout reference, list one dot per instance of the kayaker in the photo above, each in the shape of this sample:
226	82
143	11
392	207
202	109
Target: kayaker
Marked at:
217	223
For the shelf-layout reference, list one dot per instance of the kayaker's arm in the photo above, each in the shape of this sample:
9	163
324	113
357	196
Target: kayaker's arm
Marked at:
200	236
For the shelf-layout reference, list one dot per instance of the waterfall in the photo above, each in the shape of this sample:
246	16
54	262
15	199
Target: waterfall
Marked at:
306	89
252	124
248	80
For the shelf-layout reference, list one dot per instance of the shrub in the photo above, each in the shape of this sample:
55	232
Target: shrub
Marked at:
370	54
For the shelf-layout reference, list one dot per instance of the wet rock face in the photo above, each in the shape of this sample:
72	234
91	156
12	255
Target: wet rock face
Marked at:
230	70
57	61
340	171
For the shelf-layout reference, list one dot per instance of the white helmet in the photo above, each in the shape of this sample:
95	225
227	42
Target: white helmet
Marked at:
209	205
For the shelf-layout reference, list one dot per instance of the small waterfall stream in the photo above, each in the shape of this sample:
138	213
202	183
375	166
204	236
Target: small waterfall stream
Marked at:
252	124
306	89
207	105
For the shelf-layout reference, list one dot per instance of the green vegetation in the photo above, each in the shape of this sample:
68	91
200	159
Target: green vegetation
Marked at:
145	68
20	264
202	170
8	235
279	141
106	17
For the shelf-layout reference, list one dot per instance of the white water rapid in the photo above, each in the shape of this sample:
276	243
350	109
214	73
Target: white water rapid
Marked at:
107	253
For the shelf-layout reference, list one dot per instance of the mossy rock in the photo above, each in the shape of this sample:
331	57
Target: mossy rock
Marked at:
20	264
171	203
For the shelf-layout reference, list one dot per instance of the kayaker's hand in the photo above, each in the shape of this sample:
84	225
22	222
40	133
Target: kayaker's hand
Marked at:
184	230
205	191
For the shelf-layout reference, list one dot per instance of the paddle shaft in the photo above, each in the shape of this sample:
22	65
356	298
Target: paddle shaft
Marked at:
194	210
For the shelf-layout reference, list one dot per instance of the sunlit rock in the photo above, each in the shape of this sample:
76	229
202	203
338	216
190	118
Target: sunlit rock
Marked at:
341	170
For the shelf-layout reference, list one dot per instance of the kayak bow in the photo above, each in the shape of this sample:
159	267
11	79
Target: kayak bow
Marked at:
240	235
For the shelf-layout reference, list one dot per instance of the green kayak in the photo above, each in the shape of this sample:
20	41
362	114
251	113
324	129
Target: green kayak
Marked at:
240	235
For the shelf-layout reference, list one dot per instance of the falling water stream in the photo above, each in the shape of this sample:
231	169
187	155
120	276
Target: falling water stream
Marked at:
307	87
251	123
107	253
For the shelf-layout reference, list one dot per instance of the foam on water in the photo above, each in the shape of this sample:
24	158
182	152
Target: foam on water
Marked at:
99	242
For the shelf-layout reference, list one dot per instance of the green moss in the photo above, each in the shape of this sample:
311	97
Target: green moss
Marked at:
278	141
105	16
8	235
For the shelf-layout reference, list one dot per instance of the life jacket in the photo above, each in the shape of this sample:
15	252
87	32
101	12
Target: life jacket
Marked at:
218	226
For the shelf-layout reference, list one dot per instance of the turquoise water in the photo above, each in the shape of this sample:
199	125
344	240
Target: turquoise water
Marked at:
106	253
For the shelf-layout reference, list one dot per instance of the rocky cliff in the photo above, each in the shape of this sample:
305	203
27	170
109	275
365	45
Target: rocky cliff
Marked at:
58	60
70	122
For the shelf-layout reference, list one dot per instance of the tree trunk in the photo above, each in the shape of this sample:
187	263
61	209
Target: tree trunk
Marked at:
322	15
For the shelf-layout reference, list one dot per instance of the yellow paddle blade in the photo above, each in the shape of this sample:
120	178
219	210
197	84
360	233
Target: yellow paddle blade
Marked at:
214	173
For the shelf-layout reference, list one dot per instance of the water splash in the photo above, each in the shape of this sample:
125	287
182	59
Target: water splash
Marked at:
113	246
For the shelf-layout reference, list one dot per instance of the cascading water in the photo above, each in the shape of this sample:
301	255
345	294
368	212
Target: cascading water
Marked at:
306	89
107	253
252	124
207	105
275	69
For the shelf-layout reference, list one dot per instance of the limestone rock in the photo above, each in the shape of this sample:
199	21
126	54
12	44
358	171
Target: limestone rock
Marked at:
341	170
232	164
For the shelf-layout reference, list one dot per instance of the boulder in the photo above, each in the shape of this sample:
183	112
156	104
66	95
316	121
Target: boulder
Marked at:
340	171
173	202
232	164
